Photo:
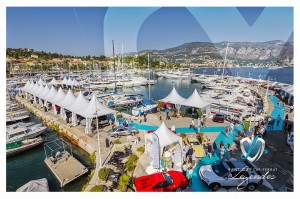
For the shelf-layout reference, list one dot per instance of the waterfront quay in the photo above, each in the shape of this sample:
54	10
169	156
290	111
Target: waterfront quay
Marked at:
75	135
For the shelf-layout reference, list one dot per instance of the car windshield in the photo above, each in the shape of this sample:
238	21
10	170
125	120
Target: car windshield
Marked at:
194	143
168	178
219	169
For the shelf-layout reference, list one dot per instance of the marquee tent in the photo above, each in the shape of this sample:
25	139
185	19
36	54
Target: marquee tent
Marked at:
161	139
173	97
92	110
54	82
80	103
50	95
165	137
67	101
41	82
60	95
196	101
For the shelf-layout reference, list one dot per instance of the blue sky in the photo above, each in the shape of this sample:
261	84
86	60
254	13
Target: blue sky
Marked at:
84	31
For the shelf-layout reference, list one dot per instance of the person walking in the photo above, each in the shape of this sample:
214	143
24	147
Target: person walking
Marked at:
221	144
222	152
226	131
215	147
172	160
278	119
145	117
189	174
272	123
192	125
231	125
209	150
228	151
189	154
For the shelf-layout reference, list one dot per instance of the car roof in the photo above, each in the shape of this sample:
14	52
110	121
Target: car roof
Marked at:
193	140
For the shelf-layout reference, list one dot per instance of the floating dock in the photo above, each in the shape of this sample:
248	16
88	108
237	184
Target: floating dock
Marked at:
63	165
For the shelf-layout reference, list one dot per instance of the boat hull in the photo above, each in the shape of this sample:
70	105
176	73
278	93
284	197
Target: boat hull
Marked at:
23	148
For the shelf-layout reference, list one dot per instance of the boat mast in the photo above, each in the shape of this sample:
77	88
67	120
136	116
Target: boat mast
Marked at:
149	76
114	63
225	60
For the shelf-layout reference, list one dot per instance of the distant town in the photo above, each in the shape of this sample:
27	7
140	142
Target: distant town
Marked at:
189	55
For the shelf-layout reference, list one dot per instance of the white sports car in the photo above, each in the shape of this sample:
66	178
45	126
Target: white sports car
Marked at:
232	173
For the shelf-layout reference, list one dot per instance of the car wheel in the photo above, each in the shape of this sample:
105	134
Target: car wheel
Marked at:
179	189
251	187
115	136
214	186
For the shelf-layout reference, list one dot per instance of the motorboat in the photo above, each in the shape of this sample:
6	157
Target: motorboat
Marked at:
20	133
16	147
143	108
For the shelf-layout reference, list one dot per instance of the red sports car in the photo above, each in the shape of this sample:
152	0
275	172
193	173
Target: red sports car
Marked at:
161	182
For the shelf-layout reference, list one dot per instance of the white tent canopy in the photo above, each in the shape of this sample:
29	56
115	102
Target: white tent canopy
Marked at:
60	95
166	136
94	109
34	88
51	94
44	92
26	86
38	91
68	100
41	82
69	82
173	97
80	103
28	89
54	82
195	101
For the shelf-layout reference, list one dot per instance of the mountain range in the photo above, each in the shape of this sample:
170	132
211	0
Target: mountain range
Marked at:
238	53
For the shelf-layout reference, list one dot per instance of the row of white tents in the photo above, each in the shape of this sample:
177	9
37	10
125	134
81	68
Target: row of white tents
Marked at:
193	101
66	81
78	105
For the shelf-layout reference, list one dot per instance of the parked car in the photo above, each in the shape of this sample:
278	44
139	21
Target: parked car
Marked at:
103	121
231	173
121	130
219	118
161	182
197	147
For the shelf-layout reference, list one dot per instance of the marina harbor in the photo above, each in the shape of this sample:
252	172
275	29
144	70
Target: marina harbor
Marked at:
150	99
75	111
